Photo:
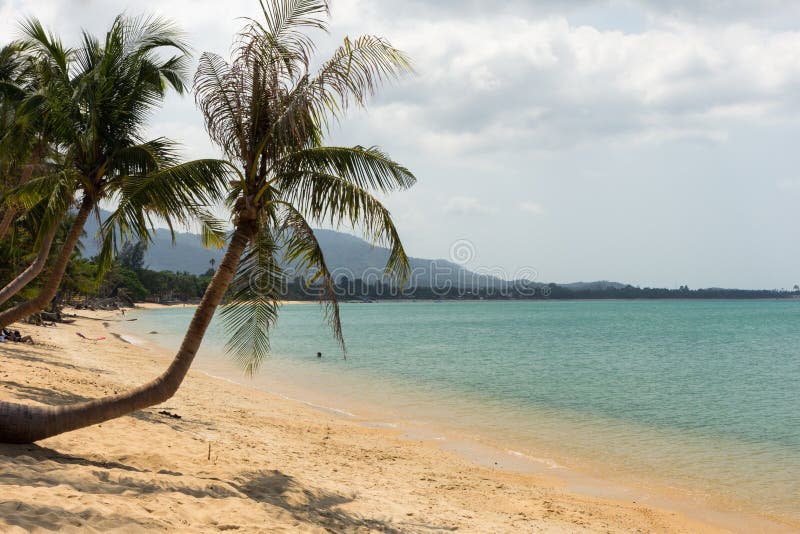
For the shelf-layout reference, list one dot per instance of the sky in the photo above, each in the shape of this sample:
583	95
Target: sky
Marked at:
651	142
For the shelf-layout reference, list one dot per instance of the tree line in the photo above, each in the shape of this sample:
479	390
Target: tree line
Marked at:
130	280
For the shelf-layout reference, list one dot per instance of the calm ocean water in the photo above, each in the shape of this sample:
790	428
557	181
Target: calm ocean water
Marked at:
702	395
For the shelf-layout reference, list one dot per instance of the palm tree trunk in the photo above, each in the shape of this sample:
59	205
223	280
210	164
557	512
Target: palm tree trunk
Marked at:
25	424
33	270
5	222
48	292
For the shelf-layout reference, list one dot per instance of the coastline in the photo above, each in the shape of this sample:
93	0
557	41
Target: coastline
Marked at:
158	306
275	463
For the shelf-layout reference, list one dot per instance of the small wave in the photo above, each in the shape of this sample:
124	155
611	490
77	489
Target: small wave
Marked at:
133	340
546	461
379	424
320	407
328	409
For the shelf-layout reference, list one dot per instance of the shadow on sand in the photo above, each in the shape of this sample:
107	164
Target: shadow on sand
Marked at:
36	466
33	466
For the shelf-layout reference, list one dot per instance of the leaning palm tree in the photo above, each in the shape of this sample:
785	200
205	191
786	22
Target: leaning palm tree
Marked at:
27	145
267	111
17	137
94	101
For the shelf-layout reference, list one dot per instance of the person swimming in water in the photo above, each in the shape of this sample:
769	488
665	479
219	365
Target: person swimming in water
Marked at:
319	355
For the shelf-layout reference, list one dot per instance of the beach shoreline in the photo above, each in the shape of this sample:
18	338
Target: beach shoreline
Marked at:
159	306
399	482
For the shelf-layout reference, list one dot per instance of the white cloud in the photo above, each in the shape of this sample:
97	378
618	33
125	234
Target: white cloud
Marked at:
510	83
459	205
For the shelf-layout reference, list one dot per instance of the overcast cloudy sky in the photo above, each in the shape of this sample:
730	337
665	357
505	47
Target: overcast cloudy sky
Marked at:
647	141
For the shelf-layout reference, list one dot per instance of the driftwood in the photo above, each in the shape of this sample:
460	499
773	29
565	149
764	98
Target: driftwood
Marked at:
110	303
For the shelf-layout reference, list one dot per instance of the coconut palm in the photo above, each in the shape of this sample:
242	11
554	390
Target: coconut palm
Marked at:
16	136
94	102
18	158
267	110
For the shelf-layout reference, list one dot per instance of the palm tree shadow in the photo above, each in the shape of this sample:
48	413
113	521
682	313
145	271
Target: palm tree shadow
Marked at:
32	517
36	355
37	453
36	466
309	505
48	396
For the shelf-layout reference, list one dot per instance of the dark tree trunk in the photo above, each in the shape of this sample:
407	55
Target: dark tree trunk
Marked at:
50	288
5	222
32	271
26	424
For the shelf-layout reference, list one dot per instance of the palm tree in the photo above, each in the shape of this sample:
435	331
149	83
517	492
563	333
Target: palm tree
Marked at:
94	101
17	138
22	141
268	111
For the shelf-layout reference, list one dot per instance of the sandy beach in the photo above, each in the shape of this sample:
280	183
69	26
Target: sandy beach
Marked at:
239	459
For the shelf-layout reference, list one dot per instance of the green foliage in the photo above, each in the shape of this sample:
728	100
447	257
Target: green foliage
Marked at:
268	111
80	278
132	256
75	118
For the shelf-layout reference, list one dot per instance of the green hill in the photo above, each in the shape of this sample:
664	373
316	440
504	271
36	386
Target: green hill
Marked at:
346	255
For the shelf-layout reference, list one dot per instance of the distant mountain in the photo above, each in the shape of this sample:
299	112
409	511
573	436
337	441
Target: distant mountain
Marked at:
187	254
350	256
346	255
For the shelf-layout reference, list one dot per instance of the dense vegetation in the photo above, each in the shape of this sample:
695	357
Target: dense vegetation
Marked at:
130	279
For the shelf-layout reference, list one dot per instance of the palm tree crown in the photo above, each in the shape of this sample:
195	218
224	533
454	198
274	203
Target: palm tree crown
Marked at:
94	102
268	111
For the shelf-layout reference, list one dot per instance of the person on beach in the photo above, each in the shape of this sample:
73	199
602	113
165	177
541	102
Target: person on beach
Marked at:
16	336
19	338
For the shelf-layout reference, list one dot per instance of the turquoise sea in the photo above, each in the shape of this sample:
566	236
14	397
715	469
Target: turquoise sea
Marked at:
701	396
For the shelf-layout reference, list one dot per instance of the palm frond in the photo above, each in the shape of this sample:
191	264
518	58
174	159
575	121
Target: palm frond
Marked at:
176	194
330	199
282	37
268	112
218	96
47	45
254	301
353	73
367	168
301	247
212	230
